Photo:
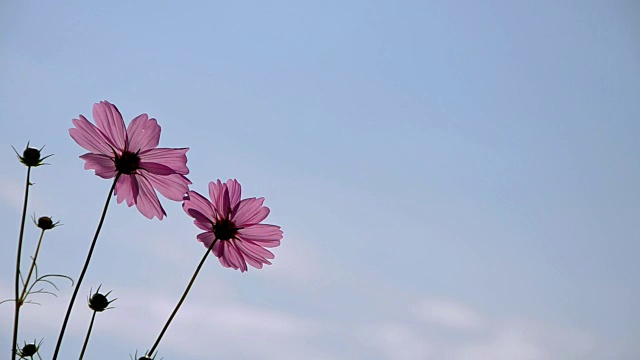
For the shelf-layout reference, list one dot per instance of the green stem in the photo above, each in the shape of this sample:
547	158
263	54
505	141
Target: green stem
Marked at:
86	339
16	316
184	296
33	265
84	269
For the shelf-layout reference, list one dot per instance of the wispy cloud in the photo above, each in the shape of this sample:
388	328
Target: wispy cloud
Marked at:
208	322
447	313
448	330
12	193
394	341
211	320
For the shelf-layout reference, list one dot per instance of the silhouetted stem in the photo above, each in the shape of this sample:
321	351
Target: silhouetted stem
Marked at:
86	339
84	269
33	265
184	296
16	315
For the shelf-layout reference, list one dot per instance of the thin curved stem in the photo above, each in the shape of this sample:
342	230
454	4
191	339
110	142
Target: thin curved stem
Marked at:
184	296
16	314
33	265
86	339
84	269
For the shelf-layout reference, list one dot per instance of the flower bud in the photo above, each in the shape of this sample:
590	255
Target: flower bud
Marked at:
45	223
28	350
99	302
31	157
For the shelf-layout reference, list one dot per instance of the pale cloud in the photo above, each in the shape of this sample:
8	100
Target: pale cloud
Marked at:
212	320
12	193
447	313
527	340
395	341
271	333
507	344
12	196
206	322
448	330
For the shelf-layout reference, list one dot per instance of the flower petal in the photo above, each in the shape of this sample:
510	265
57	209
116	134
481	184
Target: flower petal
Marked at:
143	133
217	192
234	257
173	186
234	192
198	203
156	168
219	251
200	219
264	234
89	137
250	259
206	226
206	238
254	249
102	164
253	260
127	189
175	159
254	254
147	201
249	212
110	122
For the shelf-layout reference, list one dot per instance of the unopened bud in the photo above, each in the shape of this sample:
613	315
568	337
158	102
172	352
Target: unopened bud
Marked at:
31	157
29	350
45	223
99	302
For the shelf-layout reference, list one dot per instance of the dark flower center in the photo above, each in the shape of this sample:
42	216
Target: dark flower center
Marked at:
225	229
127	163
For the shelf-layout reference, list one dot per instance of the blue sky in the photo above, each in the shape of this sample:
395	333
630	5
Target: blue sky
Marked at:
455	180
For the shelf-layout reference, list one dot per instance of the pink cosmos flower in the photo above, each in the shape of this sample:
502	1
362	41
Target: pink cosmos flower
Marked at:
233	225
132	154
